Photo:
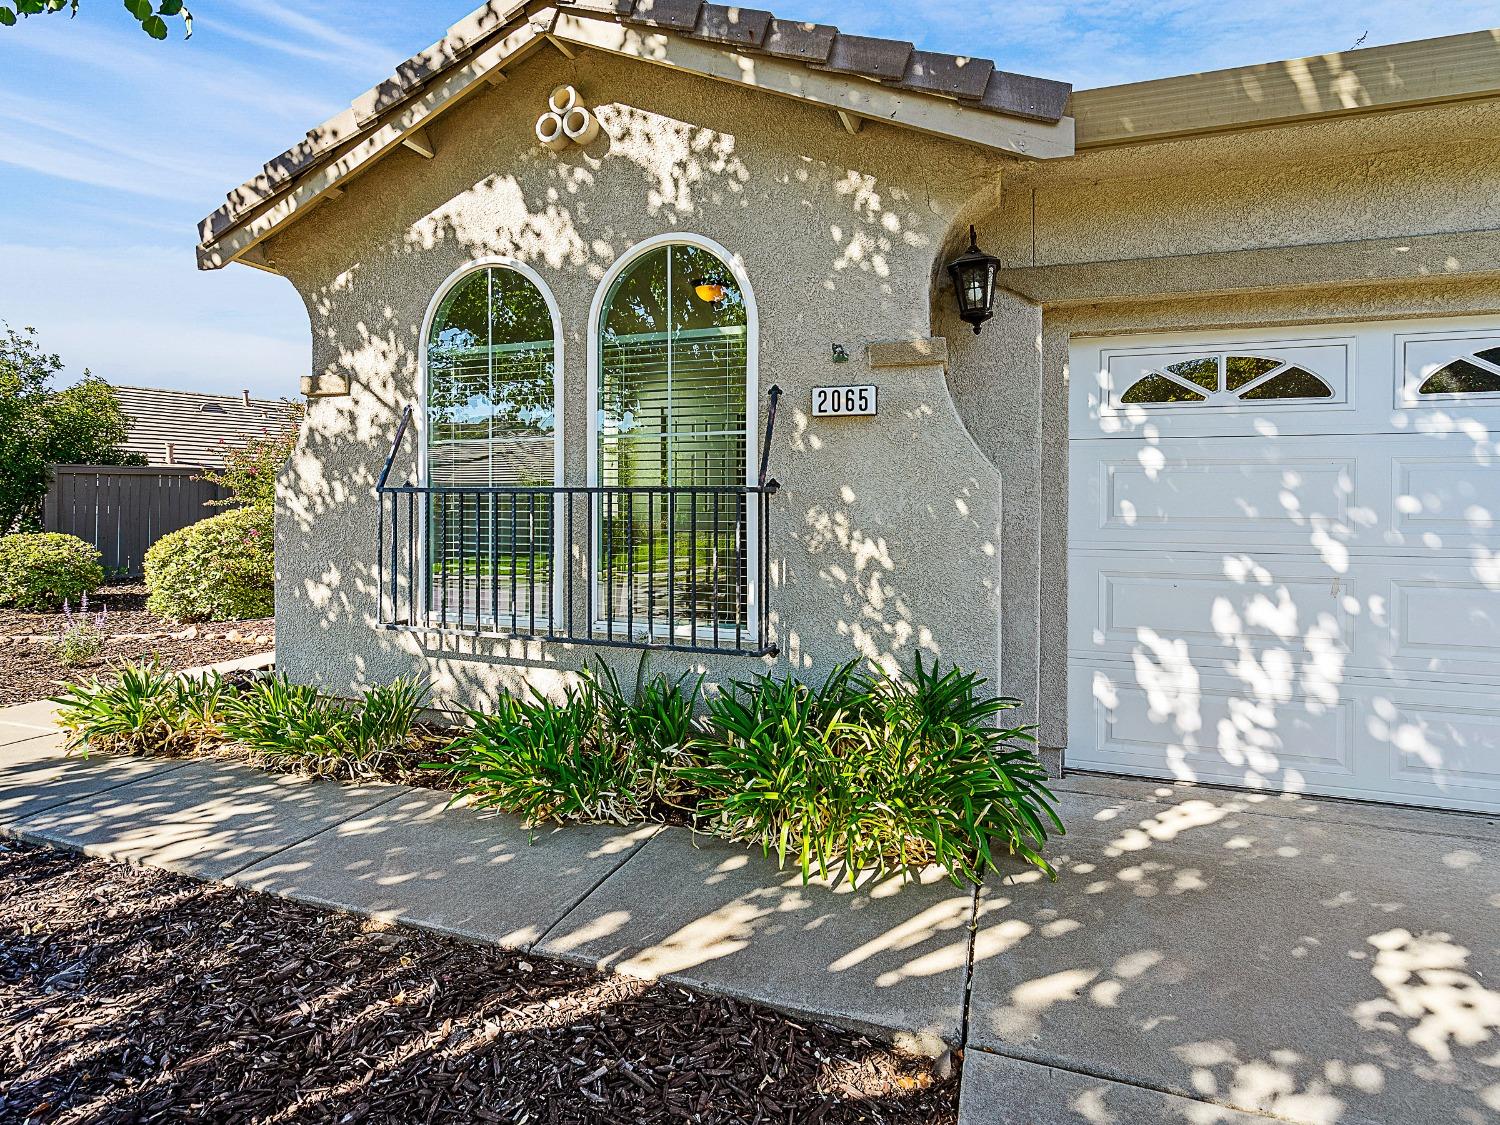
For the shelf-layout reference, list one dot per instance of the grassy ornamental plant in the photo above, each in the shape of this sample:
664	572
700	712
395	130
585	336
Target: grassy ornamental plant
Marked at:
320	734
39	571
874	773
599	755
143	708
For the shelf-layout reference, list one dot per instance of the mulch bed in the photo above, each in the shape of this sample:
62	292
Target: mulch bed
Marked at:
28	670
130	995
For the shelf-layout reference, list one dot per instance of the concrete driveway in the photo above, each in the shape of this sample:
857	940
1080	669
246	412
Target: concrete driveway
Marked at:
1207	954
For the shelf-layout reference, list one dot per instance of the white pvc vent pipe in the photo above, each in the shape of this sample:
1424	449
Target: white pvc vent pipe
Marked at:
580	125
549	130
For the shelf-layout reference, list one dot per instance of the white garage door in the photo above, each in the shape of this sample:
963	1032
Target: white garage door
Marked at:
1284	560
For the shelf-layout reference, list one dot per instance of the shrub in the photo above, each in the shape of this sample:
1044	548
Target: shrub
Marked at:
218	569
877	773
144	708
249	472
81	638
319	733
41	570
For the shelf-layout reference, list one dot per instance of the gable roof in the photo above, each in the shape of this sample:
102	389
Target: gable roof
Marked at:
198	427
858	76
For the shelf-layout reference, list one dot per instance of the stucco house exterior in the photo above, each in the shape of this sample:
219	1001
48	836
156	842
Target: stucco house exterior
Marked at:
1215	491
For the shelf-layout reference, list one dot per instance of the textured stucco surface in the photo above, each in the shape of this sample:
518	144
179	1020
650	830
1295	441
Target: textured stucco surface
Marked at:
1317	184
839	235
939	527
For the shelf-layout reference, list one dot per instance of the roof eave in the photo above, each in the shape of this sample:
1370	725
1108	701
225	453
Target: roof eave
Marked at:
308	175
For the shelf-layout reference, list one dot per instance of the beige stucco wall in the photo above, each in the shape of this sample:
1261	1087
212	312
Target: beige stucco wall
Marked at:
885	540
1434	170
939	527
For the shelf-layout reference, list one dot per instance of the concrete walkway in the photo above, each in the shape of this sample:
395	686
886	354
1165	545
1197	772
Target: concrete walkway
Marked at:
1205	956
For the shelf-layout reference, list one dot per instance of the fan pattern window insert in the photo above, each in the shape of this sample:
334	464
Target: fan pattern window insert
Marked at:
1478	373
672	413
491	423
1226	378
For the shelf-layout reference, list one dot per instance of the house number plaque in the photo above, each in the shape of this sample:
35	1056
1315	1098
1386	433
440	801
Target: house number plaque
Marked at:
845	402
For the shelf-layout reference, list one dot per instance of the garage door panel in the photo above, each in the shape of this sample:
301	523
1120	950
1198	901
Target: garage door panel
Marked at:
1406	494
1302	596
1211	609
1412	745
1207	730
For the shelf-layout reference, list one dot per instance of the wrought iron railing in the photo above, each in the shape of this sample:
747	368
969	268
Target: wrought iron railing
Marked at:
674	567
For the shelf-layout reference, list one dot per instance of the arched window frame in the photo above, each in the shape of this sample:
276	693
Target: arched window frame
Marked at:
558	380
736	266
448	284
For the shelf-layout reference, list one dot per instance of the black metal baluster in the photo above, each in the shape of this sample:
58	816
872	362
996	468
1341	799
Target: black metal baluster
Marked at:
514	621
607	534
741	591
442	573
651	561
568	561
671	565
463	561
411	560
630	567
531	562
493	555
693	571
715	566
380	562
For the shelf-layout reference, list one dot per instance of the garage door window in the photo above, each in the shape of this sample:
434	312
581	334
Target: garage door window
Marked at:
1227	379
1474	374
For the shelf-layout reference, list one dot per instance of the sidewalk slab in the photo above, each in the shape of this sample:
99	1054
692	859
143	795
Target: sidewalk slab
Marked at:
204	819
21	721
885	958
1318	970
415	860
1003	1091
36	775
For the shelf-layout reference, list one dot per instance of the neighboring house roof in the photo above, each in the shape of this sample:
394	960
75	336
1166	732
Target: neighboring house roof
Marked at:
858	76
189	428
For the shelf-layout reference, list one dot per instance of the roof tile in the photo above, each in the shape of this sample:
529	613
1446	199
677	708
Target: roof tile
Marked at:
952	75
676	15
1021	95
870	58
738	27
806	42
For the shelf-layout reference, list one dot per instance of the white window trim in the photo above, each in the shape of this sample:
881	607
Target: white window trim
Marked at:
736	266
558	379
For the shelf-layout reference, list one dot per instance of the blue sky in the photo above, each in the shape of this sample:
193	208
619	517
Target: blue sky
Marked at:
112	146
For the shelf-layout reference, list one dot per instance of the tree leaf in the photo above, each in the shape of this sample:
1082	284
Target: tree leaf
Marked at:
154	26
7	17
169	8
140	9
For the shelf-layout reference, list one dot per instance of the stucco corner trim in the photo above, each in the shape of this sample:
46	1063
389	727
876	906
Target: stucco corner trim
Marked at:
325	386
929	352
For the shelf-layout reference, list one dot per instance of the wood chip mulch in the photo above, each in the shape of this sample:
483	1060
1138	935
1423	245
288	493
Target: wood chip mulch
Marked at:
30	671
130	995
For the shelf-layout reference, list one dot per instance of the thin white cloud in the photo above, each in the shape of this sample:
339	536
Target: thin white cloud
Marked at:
147	316
353	51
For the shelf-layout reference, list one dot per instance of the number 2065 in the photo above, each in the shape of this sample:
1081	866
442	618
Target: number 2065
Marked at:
839	401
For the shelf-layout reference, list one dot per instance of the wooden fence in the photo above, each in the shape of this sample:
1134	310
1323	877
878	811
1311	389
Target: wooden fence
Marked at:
124	509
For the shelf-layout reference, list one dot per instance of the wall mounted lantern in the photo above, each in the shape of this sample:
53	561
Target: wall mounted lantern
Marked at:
973	274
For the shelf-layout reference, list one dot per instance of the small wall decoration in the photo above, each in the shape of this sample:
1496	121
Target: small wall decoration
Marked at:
567	121
845	402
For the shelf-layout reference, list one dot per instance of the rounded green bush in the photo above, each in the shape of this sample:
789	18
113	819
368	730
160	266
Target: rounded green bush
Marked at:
218	569
41	570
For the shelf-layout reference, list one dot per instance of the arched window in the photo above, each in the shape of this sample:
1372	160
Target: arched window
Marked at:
493	420
1226	379
672	386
